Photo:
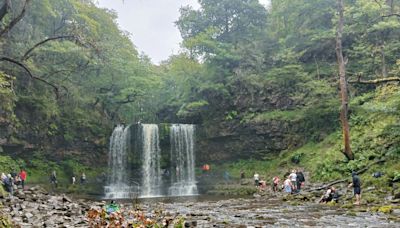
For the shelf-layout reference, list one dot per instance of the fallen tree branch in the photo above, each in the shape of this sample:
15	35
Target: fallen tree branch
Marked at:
55	88
374	81
346	179
14	21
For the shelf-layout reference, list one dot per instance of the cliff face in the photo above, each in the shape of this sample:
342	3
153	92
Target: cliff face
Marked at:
258	120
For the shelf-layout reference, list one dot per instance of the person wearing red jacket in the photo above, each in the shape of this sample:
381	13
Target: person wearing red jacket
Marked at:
22	175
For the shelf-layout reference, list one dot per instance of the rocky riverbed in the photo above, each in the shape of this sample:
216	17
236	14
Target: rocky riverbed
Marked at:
35	207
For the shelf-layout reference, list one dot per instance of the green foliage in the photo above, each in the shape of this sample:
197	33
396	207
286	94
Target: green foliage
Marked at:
192	108
8	164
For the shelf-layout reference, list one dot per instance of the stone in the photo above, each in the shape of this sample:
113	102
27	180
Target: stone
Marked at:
66	199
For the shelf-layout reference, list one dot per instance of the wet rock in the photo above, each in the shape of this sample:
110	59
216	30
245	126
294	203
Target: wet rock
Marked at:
66	199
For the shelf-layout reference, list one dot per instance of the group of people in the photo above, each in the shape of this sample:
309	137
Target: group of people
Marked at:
13	180
54	182
295	180
332	194
293	183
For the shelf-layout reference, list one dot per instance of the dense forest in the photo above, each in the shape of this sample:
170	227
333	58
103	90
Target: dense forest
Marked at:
263	84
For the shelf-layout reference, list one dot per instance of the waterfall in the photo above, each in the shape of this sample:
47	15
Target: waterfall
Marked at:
183	180
118	179
151	176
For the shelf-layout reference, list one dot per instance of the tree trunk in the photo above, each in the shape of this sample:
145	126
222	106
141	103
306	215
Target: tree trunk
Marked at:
343	84
383	61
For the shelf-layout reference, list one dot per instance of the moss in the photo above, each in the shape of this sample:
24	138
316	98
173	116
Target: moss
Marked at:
3	192
351	213
331	203
347	205
386	209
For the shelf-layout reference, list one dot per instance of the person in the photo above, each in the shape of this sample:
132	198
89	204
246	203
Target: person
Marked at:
242	176
256	179
53	179
293	179
73	180
262	185
275	182
112	207
9	184
330	195
17	180
299	180
22	175
83	178
356	183
287	185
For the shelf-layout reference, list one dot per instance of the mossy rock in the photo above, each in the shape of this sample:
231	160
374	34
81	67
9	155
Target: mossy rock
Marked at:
3	192
351	213
347	205
387	209
331	203
5	221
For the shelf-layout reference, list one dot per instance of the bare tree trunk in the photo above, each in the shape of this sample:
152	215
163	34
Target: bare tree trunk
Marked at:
316	63
383	61
343	84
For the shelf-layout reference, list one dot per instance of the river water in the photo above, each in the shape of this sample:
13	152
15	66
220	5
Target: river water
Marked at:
265	212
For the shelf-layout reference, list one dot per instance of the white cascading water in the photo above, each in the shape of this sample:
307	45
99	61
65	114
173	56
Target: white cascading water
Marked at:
183	181
151	180
118	181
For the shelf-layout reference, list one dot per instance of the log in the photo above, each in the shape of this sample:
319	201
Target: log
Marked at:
363	170
375	81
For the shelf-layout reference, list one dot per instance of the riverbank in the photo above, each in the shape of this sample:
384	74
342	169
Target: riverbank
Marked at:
36	207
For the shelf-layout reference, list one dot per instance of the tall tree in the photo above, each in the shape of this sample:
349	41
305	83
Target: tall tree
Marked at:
343	83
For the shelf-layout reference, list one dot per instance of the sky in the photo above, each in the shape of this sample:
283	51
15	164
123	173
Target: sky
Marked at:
151	24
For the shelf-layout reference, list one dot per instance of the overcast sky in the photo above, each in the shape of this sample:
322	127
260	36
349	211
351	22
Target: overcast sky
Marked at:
151	23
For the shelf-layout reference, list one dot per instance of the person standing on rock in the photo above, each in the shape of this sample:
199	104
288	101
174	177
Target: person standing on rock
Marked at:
356	183
23	175
256	179
293	179
9	184
287	185
275	182
53	179
299	179
83	178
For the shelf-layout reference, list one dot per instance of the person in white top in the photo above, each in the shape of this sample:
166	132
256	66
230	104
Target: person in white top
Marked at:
256	179
293	179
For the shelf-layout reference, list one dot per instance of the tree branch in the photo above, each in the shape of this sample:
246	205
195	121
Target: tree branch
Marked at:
5	9
129	99
26	55
15	20
346	179
392	15
55	88
375	81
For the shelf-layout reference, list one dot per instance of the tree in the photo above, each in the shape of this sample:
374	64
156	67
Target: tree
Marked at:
343	83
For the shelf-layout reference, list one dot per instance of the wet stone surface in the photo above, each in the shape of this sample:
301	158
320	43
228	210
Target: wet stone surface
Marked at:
37	208
263	212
